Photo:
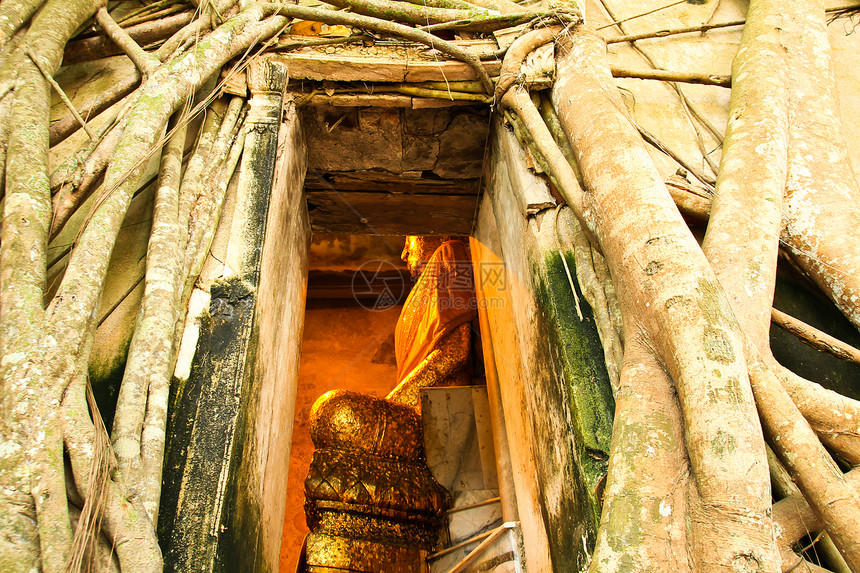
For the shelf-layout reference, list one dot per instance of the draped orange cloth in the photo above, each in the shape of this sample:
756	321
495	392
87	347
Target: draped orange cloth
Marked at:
441	300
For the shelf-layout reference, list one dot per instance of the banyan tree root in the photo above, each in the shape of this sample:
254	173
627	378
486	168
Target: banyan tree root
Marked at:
477	19
516	54
153	332
31	468
185	213
814	337
756	247
819	172
681	320
46	343
746	218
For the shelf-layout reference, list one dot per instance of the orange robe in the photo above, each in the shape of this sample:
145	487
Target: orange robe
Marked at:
442	301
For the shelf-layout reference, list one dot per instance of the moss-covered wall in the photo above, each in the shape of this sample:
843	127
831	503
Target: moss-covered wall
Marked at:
563	377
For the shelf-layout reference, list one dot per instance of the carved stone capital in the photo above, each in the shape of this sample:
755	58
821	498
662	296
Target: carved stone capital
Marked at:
266	77
266	82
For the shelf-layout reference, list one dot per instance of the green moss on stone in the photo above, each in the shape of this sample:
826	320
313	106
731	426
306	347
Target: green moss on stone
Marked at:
575	358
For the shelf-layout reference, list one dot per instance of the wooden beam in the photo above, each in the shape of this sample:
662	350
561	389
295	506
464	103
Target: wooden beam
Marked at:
373	181
307	64
360	213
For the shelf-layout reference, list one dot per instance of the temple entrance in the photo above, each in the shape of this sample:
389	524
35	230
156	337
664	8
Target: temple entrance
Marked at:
373	176
357	285
438	173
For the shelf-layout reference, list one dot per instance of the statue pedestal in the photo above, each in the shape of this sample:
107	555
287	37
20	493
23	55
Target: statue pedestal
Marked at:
334	554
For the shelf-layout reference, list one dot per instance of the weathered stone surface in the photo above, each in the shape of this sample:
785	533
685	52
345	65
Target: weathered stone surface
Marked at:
256	526
226	472
447	142
393	171
571	421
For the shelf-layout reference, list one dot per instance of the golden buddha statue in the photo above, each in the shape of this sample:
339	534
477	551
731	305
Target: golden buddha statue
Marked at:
371	502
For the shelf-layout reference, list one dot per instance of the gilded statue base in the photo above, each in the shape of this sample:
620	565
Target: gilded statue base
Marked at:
335	554
370	497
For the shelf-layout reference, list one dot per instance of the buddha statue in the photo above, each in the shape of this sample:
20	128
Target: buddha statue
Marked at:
371	501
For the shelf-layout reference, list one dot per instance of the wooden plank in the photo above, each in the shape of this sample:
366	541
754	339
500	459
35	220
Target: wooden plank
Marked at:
390	214
504	467
376	100
484	433
308	65
433	103
312	65
445	70
513	385
359	100
374	181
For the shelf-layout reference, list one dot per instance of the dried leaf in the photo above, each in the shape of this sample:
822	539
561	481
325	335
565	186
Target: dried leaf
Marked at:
337	31
307	28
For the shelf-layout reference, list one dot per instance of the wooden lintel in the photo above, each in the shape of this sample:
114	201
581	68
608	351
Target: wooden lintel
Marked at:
445	70
307	65
374	181
380	100
311	65
358	213
359	100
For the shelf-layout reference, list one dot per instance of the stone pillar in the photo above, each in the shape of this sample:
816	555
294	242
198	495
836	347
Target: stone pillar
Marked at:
226	473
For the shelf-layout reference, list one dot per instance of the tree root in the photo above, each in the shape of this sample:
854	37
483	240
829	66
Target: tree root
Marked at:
144	62
48	342
670	76
815	338
477	20
103	46
151	351
820	171
14	14
811	467
834	417
648	436
127	527
737	499
75	189
224	158
516	55
555	164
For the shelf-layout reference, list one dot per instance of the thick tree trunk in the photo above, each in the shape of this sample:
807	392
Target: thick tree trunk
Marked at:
674	307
